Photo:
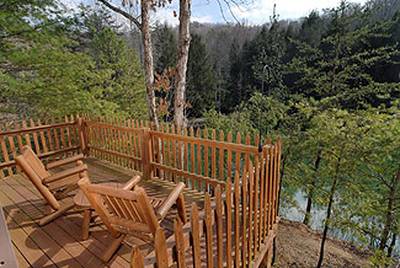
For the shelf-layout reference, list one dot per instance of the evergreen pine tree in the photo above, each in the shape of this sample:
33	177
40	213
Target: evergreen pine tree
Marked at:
165	47
201	87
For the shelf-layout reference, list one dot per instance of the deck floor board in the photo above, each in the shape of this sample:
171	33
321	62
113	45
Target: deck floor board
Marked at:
58	244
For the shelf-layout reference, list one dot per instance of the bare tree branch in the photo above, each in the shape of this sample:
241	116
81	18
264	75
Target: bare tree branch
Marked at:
227	3
122	12
221	10
231	11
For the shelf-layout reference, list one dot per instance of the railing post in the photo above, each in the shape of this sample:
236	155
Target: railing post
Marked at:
83	141
146	153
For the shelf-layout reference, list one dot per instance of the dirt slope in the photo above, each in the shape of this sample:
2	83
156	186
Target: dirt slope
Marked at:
298	246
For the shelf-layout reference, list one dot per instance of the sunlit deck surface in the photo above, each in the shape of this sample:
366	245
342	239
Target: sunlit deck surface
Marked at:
59	243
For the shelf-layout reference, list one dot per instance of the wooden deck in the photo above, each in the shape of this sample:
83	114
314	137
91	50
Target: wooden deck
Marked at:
235	187
59	243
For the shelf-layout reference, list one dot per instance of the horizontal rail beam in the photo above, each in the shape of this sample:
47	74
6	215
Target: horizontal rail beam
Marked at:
131	157
44	155
109	126
180	172
33	129
211	143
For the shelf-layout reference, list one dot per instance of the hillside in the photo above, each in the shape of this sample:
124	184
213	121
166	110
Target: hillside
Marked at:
298	246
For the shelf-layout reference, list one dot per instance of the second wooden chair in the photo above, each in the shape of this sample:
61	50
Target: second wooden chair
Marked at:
133	213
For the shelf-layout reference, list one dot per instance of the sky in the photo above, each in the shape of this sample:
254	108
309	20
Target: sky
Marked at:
254	12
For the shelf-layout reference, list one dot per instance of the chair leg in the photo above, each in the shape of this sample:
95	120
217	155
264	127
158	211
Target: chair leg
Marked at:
180	203
113	248
51	217
137	259
87	216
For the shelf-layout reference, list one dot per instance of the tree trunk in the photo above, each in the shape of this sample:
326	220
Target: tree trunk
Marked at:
310	196
148	62
183	55
389	212
392	245
328	214
147	51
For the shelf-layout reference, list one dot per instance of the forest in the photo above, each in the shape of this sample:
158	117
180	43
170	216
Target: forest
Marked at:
328	84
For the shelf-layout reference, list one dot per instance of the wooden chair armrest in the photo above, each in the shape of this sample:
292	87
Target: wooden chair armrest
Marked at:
63	162
65	173
170	200
132	183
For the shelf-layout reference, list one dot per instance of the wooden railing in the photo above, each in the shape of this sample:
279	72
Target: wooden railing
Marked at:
197	157
118	142
201	160
235	228
54	139
238	220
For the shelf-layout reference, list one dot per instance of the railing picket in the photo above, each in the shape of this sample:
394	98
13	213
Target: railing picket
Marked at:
19	140
237	220
237	155
186	154
180	243
192	157
244	218
219	221
174	155
270	169
256	204
163	154
199	160
213	156
266	206
209	230
206	168
27	136
275	193
251	211
68	132
278	175
221	159
161	246
262	194
43	138
228	213
229	157
195	228
35	138
49	136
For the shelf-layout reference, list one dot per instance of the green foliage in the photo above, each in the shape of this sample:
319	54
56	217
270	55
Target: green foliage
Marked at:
260	113
49	69
380	259
165	47
201	80
235	122
343	70
124	81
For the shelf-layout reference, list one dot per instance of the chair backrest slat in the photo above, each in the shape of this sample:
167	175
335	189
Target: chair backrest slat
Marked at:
134	210
121	203
34	169
131	212
35	162
110	204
